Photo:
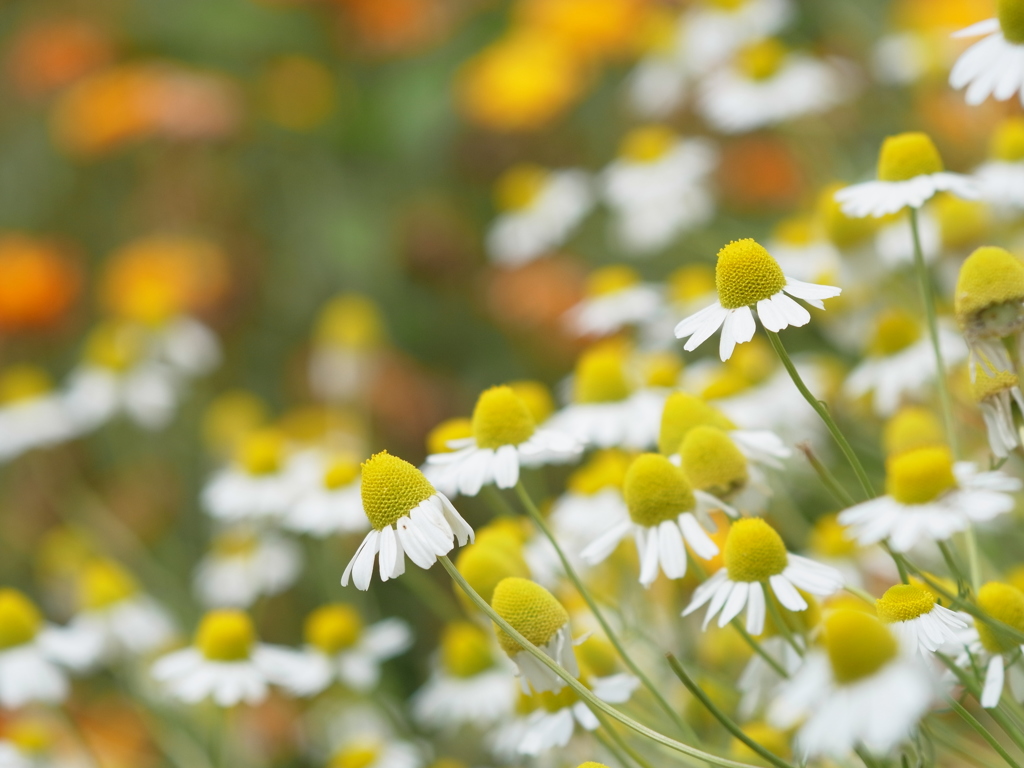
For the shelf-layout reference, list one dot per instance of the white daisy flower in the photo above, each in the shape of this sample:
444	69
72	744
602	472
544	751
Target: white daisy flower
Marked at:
409	517
993	66
929	498
756	560
505	438
32	414
227	664
989	307
345	358
365	738
759	680
910	172
439	440
1001	178
188	346
996	396
803	251
857	690
921	624
714	31
539	211
902	58
997	652
244	565
339	647
747	276
663	518
615	299
657	84
331	502
657	188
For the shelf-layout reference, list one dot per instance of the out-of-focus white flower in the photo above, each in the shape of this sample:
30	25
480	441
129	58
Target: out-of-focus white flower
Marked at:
32	413
243	565
362	736
615	298
714	30
993	66
330	503
347	343
998	652
894	243
187	345
1001	178
996	396
921	624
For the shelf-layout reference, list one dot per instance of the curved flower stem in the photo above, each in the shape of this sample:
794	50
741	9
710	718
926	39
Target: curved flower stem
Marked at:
982	731
781	624
531	508
603	735
760	651
822	411
581	690
997	714
621	744
825	475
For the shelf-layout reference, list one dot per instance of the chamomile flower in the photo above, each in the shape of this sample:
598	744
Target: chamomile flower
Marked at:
439	440
244	564
257	484
553	721
505	437
989	306
756	560
331	503
615	298
408	517
226	664
363	737
910	172
714	464
994	648
856	689
539	210
187	346
714	30
345	358
746	277
663	518
929	498
32	413
920	623
996	396
657	84
1001	178
993	66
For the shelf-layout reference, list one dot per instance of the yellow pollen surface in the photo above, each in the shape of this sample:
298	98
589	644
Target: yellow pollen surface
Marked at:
754	551
647	144
963	223
841	230
485	565
746	273
105	583
725	383
604	469
1008	140
360	755
537	397
501	418
984	386
662	369
656	490
333	628
895	330
858	644
519	187
19	383
597	657
262	452
20	620
351	321
465	649
828	538
340	471
762	60
989	277
530	609
1011	19
694	281
450	429
600	375
920	476
682	413
907	155
904	602
611	279
911	428
712	462
391	488
226	635
591	764
1006	604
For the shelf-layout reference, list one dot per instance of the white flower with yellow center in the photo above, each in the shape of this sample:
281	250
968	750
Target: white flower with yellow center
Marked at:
996	650
929	498
364	738
408	517
259	484
439	440
33	653
32	413
993	66
767	85
1001	177
469	684
226	664
747	277
657	84
989	306
857	689
910	172
338	646
658	188
330	503
615	298
900	362
663	511
921	624
801	248
756	560
344	361
715	30
539	209
244	565
31	742
505	438
714	464
996	396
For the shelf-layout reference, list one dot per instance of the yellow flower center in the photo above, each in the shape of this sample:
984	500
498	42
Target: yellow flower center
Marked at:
1008	140
537	397
727	5
911	428
984	386
725	383
465	649
230	417
604	469
235	543
600	376
682	413
797	231
484	565
895	330
746	273
597	657
961	222
226	635
694	281
262	452
712	462
20	383
656	490
989	292
904	602
30	735
591	764
530	609
351	321
341	471
333	628
20	620
105	583
501	418
446	431
841	230
556	701
114	346
1011	19
754	551
1006	604
612	279
920	476
907	155
391	488
762	60
828	538
858	644
362	754
519	187
662	369
647	144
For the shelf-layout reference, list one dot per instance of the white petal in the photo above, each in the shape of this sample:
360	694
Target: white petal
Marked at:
994	677
737	601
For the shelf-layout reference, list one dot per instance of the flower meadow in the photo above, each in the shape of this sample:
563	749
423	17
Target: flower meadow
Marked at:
494	383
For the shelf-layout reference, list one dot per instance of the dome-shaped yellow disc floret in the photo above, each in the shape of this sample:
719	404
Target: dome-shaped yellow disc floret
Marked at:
351	321
683	412
858	644
1008	140
530	609
537	398
656	490
746	273
20	620
555	701
1004	603
904	602
226	635
647	144
518	187
911	428
895	330
662	369
391	488
22	382
600	375
762	60
604	469
485	565
754	551
465	649
611	279
333	628
712	462
985	386
450	429
961	222
1011	19
917	477
501	418
828	538
105	583
262	452
907	155
597	657
989	292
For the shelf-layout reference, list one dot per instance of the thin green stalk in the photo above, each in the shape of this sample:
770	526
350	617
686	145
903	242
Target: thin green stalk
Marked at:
982	731
581	690
531	508
613	748
822	411
781	624
973	561
965	605
960	746
622	744
760	651
719	715
500	503
1004	722
954	568
825	475
901	565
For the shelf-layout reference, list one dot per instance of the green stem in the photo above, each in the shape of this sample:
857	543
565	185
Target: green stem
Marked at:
822	411
500	504
781	624
973	562
982	731
581	690
996	714
622	744
825	475
954	568
613	748
961	746
756	647
531	508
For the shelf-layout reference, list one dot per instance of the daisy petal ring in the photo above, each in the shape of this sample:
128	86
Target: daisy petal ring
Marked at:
993	66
